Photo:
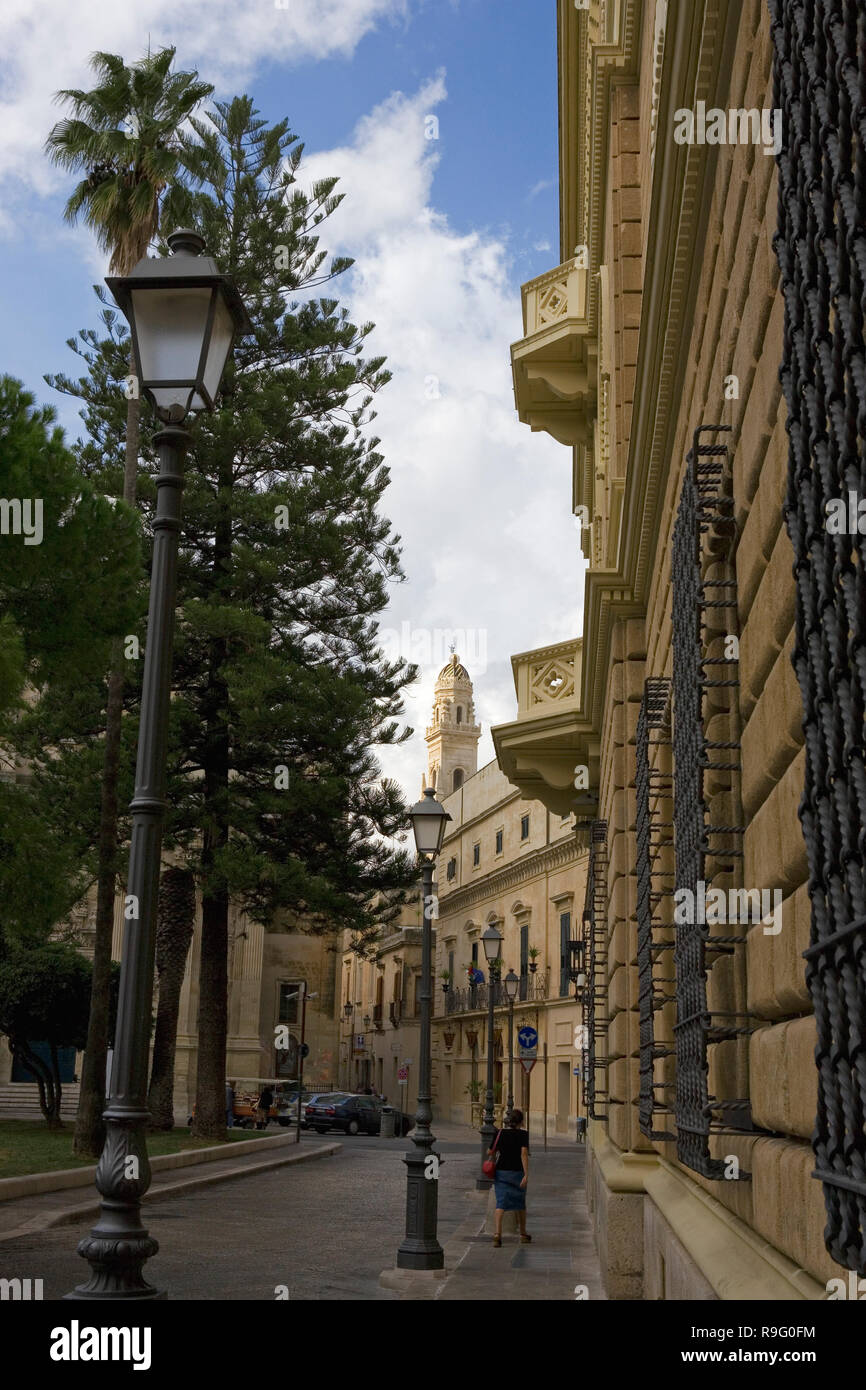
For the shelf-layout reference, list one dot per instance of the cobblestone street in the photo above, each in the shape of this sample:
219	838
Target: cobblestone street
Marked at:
327	1229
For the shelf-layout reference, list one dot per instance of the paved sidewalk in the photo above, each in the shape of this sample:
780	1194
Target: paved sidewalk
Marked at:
561	1262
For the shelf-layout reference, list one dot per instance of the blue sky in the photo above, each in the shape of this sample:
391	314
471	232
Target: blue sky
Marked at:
444	231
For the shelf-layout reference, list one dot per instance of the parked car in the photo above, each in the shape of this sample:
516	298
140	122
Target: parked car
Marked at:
350	1114
305	1105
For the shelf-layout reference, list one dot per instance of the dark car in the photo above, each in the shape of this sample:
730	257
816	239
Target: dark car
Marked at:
350	1114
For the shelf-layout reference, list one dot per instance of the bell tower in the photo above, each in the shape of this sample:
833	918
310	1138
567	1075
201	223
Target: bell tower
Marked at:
452	737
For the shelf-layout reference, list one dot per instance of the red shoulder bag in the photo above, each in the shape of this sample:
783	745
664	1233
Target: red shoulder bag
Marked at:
488	1167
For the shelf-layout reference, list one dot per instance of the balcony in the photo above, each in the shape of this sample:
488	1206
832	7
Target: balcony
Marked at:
533	989
550	738
555	363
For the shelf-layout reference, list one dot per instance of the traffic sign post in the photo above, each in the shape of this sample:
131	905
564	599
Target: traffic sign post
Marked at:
527	1040
528	1063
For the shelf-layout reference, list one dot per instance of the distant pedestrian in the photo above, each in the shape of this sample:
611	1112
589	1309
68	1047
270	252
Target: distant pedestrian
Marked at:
230	1104
510	1149
266	1100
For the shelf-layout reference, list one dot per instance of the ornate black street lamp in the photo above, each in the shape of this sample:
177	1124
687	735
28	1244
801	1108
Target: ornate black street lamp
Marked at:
184	317
512	985
491	940
420	1248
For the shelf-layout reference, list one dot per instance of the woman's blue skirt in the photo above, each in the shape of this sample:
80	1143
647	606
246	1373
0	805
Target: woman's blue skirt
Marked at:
510	1196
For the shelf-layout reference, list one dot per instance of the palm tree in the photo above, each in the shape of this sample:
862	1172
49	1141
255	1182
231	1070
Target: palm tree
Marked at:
124	139
174	931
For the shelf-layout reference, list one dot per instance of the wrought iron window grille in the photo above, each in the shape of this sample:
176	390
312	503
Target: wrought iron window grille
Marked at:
706	774
820	87
654	829
596	1061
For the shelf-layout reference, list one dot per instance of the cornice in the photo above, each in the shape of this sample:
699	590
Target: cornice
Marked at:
587	69
697	63
553	857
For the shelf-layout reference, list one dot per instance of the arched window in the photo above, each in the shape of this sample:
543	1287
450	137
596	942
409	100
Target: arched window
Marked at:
458	778
459	714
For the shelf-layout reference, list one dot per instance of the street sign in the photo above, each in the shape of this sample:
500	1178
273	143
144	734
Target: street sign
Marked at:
304	1049
527	1063
403	1075
527	1038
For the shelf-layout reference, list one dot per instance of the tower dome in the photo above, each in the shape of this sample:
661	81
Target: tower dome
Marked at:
453	672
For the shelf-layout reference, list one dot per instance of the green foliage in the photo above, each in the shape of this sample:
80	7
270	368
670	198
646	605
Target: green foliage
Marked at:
64	598
286	561
123	137
45	994
63	601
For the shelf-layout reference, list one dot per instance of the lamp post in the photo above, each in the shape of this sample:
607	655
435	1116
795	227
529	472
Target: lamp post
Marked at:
491	940
420	1248
304	996
184	317
512	985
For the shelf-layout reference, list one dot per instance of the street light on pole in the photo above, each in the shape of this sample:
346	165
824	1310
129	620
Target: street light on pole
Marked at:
184	317
512	985
304	996
491	940
420	1248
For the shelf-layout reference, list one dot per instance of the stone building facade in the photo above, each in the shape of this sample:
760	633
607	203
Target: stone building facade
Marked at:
508	861
653	352
266	968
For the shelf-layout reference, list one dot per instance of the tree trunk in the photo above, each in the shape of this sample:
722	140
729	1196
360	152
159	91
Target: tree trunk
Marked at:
209	1121
89	1128
174	931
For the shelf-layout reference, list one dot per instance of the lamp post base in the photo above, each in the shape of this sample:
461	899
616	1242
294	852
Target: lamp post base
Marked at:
420	1248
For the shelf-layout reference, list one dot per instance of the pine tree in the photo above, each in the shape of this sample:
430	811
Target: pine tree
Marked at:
281	693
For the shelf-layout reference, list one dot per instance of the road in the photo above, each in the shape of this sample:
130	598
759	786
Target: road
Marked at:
325	1229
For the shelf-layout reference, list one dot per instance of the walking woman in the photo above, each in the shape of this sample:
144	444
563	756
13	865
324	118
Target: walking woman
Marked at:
510	1149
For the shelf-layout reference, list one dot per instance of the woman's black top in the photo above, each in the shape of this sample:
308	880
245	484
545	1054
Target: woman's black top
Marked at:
511	1141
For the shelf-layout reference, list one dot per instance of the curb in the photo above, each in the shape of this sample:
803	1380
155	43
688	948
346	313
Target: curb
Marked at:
71	1215
59	1179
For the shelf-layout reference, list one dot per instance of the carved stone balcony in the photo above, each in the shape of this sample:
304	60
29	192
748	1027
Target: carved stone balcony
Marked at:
555	363
540	751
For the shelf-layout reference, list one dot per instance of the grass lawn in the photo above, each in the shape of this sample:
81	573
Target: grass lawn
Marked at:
29	1146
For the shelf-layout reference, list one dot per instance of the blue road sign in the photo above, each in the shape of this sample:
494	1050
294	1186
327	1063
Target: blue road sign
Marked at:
527	1038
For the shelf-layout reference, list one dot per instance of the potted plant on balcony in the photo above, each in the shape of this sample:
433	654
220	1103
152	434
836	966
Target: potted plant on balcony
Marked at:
474	1090
445	977
534	953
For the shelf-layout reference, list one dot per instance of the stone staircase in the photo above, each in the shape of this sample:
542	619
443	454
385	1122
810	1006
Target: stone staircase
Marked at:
19	1100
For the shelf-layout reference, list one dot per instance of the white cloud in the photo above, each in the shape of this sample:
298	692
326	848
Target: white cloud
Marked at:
482	504
538	188
46	45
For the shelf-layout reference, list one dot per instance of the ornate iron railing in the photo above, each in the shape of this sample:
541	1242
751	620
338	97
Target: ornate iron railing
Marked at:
704	691
596	1085
654	831
473	997
820	88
